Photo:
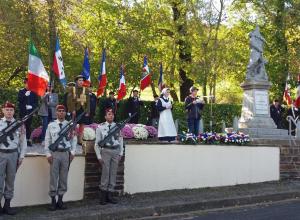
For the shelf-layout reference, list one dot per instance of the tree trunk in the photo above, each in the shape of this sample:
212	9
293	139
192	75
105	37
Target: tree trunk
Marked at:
153	89
282	46
52	35
31	18
215	50
184	47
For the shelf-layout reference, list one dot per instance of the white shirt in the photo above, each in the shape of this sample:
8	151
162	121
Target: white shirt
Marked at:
101	133
52	134
19	139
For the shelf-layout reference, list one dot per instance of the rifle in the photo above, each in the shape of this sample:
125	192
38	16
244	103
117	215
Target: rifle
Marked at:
117	128
64	132
9	130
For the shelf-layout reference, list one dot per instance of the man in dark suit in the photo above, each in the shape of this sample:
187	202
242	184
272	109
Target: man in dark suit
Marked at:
27	102
276	112
193	108
133	106
154	115
111	103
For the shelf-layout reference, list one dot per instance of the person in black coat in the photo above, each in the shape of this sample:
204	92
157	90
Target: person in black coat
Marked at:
193	108
27	102
154	115
133	106
93	105
276	113
111	103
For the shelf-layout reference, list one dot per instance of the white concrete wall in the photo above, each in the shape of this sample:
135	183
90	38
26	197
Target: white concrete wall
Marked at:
166	167
32	181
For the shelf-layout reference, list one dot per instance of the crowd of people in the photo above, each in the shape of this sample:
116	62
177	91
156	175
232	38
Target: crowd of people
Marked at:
79	98
79	105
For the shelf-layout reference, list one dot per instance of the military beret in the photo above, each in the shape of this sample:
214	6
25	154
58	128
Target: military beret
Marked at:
109	110
60	107
8	104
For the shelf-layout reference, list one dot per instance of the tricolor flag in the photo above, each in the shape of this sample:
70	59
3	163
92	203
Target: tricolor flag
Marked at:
286	95
37	76
102	75
161	78
122	86
86	68
58	65
146	77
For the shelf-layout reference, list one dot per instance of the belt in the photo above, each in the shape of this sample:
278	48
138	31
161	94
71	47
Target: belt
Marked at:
6	151
63	150
111	147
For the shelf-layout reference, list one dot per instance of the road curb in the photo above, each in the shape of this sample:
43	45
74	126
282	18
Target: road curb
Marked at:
186	207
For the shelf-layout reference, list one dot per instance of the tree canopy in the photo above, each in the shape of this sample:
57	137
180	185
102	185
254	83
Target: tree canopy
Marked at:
201	42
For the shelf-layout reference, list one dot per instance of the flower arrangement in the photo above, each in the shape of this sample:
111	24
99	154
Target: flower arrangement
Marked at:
36	134
94	126
89	134
140	132
127	132
215	138
188	138
209	138
152	131
236	138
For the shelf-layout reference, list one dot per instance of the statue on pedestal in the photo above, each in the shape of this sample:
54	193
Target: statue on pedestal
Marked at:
255	118
256	67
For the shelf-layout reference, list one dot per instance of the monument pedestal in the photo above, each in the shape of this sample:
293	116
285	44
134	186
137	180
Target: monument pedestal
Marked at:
255	119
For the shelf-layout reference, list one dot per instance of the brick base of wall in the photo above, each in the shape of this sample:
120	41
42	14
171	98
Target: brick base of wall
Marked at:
290	161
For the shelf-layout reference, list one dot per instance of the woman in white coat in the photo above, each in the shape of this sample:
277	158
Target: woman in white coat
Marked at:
166	126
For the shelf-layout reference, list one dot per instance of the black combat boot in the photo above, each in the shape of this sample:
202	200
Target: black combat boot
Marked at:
1	210
52	206
110	198
103	197
7	209
60	204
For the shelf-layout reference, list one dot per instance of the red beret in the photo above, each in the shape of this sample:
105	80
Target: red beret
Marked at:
7	104
60	107
109	110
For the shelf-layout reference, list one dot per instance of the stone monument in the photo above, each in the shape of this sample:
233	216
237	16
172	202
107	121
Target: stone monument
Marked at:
255	119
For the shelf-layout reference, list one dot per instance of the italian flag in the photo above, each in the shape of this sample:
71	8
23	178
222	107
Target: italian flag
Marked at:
37	76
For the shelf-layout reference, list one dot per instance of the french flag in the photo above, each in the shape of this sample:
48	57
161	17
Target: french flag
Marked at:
122	86
146	76
160	81
58	64
102	75
86	69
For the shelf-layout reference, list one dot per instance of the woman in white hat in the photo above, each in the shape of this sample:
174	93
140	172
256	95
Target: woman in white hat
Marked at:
166	126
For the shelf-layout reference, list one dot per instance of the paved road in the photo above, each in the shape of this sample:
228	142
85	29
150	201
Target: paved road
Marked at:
289	210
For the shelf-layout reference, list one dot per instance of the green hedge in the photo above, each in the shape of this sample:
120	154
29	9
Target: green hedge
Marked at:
220	112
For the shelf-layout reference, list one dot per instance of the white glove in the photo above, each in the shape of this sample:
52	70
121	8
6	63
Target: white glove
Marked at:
28	107
129	114
27	93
